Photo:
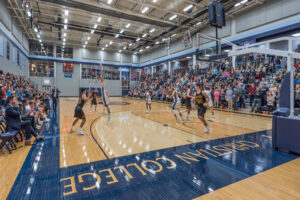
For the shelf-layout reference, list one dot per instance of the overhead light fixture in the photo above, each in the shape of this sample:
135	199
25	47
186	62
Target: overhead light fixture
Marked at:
152	30
99	19
296	35
42	45
241	3
66	21
110	42
84	46
138	39
116	36
207	55
135	53
86	42
130	44
40	41
124	48
92	31
141	50
106	45
173	35
38	36
109	1
154	1
120	51
144	35
64	43
102	49
157	42
227	50
188	57
65	27
66	12
65	34
173	17
64	39
244	1
198	23
89	38
145	9
163	39
121	31
188	7
147	47
128	25
35	30
95	26
29	13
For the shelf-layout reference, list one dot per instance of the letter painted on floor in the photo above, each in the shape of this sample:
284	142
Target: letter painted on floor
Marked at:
111	175
94	175
173	164
125	170
186	157
198	154
151	170
71	185
134	164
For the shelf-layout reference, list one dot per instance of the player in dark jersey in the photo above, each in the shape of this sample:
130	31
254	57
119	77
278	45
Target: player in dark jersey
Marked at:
79	114
201	99
94	100
188	102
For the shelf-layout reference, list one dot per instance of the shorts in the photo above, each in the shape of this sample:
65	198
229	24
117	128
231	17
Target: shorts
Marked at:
94	102
188	104
201	111
175	105
210	104
79	113
148	103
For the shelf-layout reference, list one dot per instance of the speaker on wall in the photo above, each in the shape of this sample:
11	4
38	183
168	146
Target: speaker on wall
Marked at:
216	14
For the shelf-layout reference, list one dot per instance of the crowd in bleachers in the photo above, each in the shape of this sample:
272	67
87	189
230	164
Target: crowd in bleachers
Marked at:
256	80
24	109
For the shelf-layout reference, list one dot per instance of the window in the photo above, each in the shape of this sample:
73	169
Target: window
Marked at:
8	50
41	68
66	52
18	57
36	49
90	71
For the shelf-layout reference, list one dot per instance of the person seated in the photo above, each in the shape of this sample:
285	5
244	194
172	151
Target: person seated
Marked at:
14	123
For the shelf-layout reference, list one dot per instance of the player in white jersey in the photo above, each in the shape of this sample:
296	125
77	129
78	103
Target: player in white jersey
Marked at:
176	104
148	102
104	92
210	103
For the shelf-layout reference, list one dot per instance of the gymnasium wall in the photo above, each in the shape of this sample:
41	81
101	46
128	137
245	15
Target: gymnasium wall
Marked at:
8	30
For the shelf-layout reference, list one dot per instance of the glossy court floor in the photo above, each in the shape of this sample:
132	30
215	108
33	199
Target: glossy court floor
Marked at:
148	156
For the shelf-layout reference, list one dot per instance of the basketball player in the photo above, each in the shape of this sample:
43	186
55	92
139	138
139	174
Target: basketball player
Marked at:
176	104
79	114
94	100
201	100
210	103
104	92
188	102
148	102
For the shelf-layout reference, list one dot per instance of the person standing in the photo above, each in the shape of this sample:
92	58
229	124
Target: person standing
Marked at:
201	98
55	95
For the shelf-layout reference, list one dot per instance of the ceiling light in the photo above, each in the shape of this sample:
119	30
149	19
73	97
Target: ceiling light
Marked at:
66	21
237	4
173	35
88	38
296	35
141	50
128	25
64	39
117	36
92	31
130	44
102	49
35	30
122	31
147	47
124	48
106	45
135	53
64	43
65	27
144	35
157	42
110	42
152	30
173	17
65	34
38	36
198	23
207	55
84	46
154	1
227	50
188	8
66	12
41	44
138	39
86	42
95	26
109	1
244	1
188	57
120	51
29	13
163	39
145	9
40	41
99	19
